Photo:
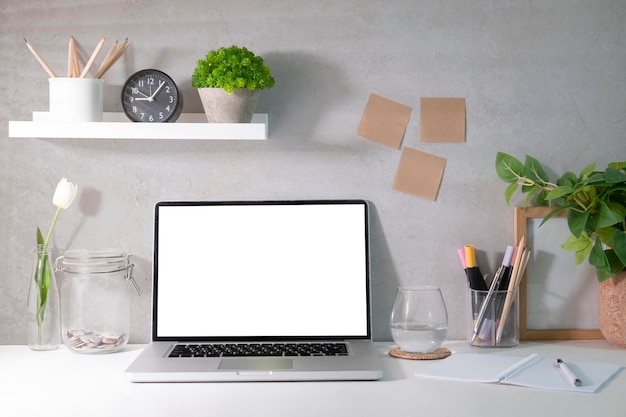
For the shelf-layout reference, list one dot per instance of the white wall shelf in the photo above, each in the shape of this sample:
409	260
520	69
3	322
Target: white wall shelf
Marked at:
117	126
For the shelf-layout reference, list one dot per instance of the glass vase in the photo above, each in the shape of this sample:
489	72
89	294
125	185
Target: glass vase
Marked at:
43	314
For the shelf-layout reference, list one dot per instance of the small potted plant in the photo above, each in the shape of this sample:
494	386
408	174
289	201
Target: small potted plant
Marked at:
595	205
229	80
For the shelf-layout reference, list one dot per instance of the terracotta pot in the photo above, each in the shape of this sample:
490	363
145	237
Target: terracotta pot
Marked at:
221	107
612	309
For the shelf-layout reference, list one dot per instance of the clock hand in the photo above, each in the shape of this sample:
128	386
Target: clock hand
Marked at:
157	90
151	97
143	94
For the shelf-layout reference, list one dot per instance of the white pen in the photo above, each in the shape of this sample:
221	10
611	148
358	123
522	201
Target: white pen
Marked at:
567	373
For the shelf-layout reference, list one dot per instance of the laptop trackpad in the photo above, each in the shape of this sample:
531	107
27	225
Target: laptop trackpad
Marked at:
258	364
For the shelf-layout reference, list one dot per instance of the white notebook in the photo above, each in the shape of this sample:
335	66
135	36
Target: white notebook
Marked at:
533	371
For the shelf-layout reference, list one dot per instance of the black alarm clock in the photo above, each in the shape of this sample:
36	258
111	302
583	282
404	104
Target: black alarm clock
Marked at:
151	96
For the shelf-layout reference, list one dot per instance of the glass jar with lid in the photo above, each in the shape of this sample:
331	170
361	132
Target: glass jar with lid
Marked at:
95	299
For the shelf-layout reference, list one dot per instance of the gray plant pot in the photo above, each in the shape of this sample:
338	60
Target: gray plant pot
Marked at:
221	107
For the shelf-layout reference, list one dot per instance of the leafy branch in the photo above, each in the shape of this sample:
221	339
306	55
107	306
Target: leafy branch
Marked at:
594	201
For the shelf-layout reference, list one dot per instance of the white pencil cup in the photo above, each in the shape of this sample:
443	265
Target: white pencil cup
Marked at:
493	319
76	99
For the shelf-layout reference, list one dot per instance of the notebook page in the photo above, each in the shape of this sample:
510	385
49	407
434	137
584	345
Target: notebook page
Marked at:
535	371
471	367
544	375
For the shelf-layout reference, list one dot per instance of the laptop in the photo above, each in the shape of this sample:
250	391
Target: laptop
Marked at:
260	291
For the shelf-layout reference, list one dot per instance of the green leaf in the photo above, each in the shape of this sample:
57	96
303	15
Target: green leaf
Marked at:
598	258
615	266
569	178
45	280
551	214
613	176
586	172
541	199
619	245
534	170
603	275
581	255
509	191
530	194
42	277
559	191
595	178
508	168
592	224
40	240
605	216
617	165
581	246
577	244
618	194
576	221
605	234
618	209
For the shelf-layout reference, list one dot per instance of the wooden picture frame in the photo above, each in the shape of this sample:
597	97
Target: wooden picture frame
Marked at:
526	221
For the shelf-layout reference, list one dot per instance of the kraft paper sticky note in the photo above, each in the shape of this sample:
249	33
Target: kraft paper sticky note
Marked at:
419	173
442	120
384	121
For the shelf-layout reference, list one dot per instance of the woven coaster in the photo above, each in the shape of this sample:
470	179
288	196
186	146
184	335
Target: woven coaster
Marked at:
439	353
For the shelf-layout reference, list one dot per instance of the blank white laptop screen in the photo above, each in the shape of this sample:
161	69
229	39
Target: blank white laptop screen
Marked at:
261	269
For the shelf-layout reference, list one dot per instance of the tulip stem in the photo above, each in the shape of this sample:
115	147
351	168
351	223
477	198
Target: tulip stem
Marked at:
54	220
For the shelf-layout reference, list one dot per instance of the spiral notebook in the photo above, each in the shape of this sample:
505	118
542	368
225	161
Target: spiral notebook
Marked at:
533	371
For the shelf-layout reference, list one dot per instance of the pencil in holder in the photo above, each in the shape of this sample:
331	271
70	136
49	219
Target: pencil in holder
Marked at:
493	318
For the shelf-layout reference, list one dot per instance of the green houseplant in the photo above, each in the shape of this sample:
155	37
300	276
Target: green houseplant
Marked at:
595	205
594	202
233	76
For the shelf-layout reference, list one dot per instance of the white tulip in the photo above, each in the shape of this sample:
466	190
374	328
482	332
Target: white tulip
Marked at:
63	198
64	193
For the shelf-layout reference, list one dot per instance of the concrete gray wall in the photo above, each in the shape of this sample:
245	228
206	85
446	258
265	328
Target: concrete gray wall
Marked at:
545	78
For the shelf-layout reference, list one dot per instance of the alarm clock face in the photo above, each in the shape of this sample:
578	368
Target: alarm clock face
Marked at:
151	96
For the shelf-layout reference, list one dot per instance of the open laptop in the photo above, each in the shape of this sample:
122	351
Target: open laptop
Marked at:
260	291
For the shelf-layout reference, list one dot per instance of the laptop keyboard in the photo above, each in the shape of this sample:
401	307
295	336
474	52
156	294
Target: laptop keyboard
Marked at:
212	350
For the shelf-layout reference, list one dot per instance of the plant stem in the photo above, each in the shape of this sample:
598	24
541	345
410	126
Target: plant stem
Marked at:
54	221
581	203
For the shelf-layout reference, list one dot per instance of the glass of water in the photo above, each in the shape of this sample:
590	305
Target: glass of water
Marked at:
419	319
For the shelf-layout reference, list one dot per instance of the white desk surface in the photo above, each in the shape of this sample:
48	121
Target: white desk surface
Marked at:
61	383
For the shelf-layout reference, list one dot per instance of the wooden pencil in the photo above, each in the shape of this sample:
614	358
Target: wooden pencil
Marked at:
92	57
43	63
76	63
70	58
108	57
73	69
513	283
76	70
116	55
